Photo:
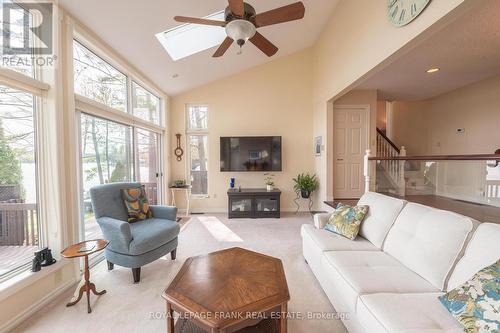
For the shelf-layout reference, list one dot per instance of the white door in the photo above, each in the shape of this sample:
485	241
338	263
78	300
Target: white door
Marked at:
350	137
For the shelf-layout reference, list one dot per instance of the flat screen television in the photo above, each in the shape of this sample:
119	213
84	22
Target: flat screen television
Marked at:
250	154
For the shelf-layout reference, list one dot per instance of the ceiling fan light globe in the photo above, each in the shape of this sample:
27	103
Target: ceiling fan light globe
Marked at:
240	31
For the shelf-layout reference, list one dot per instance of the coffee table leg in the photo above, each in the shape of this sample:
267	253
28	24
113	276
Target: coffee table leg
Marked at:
283	319
170	318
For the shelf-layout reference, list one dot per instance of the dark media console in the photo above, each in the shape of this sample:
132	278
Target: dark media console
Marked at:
253	203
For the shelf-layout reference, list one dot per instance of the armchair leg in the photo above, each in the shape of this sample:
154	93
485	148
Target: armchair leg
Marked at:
110	266
136	272
173	254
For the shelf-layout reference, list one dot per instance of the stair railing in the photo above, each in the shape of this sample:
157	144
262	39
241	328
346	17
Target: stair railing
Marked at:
394	169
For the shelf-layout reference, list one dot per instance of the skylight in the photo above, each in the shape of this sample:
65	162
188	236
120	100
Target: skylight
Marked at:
188	39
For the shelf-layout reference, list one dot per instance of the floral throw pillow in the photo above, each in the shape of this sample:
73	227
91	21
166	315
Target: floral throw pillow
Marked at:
476	303
346	220
137	204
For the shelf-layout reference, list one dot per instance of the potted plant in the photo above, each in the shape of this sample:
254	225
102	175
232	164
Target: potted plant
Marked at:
305	184
269	180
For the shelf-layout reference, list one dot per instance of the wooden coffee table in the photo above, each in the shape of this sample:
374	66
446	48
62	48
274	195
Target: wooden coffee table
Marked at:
229	290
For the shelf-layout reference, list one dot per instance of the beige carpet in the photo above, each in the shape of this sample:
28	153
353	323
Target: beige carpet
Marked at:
139	308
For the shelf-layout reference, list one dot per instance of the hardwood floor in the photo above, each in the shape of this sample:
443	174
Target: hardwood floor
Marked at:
482	213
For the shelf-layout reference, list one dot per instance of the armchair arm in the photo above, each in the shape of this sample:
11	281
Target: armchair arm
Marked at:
320	220
117	233
164	212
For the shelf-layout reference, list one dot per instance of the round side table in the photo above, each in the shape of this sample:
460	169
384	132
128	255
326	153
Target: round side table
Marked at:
84	249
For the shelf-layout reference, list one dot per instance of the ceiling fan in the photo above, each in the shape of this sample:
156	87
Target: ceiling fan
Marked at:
241	23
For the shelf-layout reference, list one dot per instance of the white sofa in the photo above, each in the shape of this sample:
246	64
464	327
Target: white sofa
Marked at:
390	277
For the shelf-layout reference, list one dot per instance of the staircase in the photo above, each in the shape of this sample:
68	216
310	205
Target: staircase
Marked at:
390	173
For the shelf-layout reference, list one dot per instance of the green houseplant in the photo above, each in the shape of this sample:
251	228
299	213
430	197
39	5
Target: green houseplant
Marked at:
269	180
305	184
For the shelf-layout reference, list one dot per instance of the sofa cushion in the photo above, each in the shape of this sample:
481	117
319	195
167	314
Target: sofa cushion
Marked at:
346	220
327	241
476	303
321	219
381	215
151	234
408	313
482	251
359	273
316	241
428	241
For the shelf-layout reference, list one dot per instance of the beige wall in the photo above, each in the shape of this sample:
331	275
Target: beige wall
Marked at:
271	99
408	126
357	41
429	127
381	115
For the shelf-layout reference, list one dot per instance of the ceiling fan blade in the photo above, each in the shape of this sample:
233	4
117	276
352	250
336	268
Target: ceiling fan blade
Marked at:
264	44
237	7
292	12
223	47
195	20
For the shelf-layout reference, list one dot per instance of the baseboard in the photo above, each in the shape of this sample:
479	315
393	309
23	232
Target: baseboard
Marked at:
224	211
19	319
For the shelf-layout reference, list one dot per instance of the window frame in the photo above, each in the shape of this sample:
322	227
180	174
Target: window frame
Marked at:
42	225
94	108
112	65
197	132
133	98
94	46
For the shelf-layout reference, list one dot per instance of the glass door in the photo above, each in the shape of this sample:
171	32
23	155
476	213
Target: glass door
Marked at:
106	157
148	163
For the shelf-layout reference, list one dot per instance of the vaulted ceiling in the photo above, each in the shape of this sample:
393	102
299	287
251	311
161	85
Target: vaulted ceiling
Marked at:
129	27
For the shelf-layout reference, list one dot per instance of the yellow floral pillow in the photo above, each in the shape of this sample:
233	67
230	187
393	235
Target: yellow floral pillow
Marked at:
137	204
346	220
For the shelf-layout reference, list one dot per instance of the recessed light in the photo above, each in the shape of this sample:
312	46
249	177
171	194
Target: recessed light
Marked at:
433	70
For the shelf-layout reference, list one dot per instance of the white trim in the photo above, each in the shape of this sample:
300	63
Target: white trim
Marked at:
204	211
20	81
87	105
24	279
35	307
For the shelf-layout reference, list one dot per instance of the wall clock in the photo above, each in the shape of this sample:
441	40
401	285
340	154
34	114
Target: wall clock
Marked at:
402	12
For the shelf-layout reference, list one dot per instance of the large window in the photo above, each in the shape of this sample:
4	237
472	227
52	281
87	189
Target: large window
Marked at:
106	158
19	224
96	79
16	36
112	152
145	105
197	141
115	147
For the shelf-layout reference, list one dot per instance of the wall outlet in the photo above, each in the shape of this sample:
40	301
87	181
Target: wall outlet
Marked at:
460	130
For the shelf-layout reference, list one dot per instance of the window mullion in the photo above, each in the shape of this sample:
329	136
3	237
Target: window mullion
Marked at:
130	108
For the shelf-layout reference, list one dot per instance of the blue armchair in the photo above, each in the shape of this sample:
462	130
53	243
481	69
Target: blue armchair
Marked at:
133	245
